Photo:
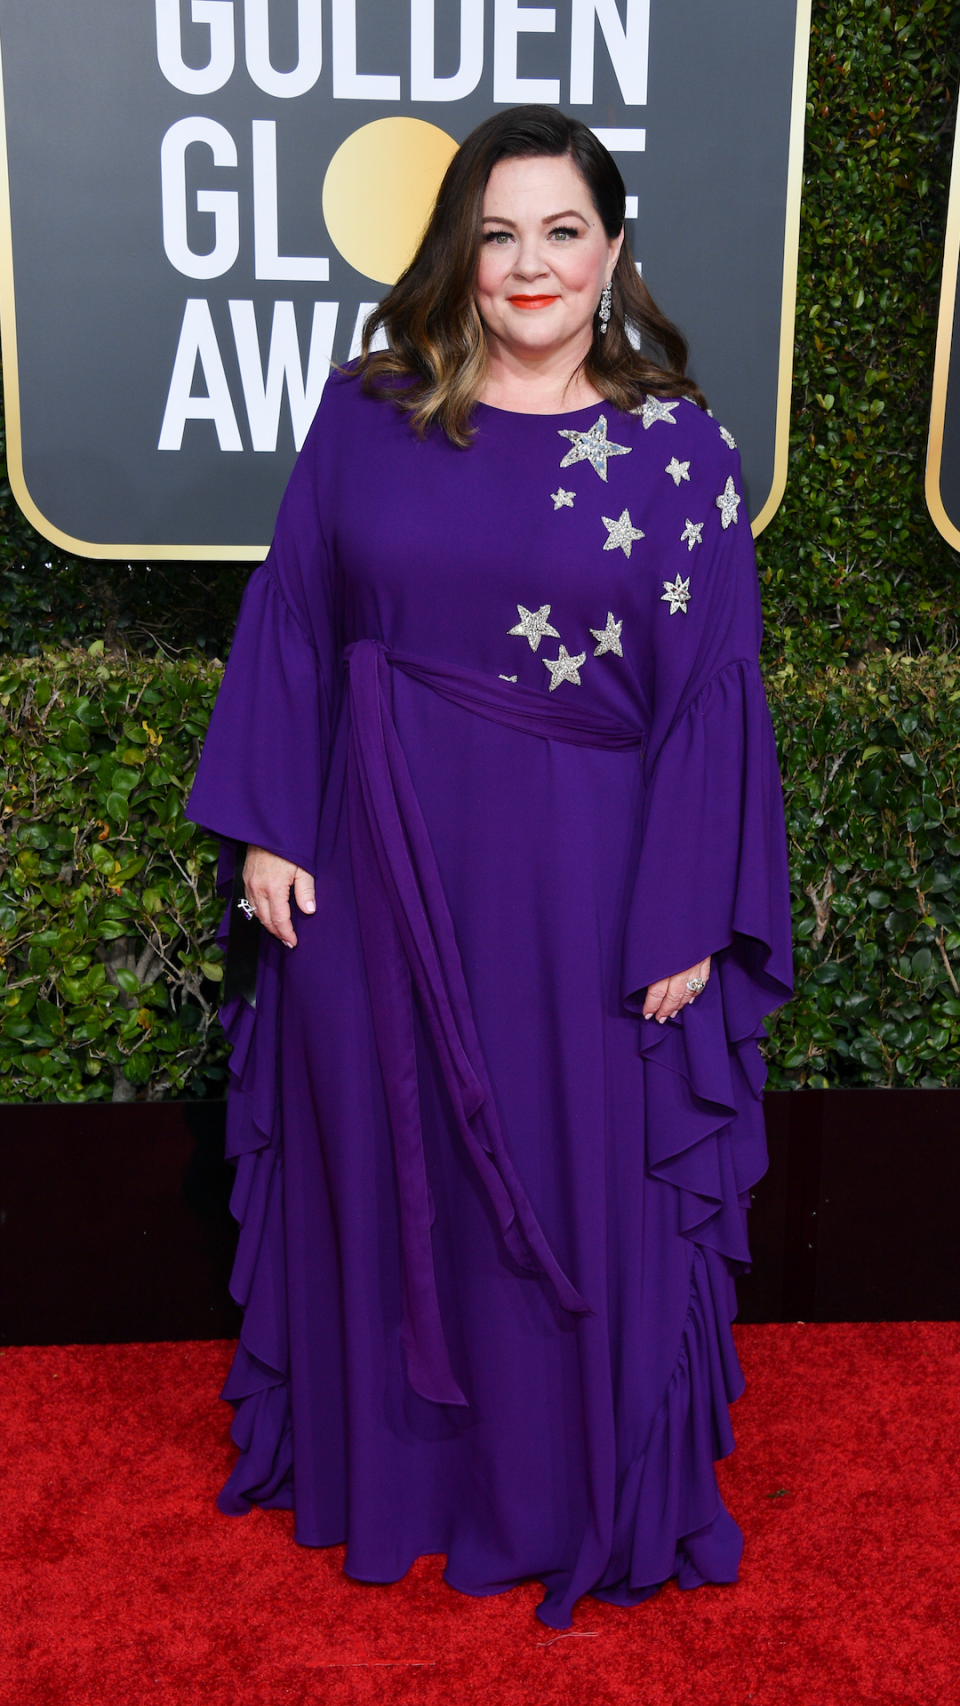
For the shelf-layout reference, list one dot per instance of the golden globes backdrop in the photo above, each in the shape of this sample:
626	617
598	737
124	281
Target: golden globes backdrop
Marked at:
200	201
943	451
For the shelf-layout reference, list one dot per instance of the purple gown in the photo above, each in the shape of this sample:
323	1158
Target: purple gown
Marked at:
504	703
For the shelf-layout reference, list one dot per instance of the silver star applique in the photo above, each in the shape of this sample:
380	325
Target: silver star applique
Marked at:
608	637
506	678
728	503
692	535
728	438
592	446
564	668
621	534
677	595
533	625
657	409
562	499
677	470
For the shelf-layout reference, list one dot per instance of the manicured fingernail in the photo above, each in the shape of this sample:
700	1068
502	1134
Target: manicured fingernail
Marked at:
310	906
662	1021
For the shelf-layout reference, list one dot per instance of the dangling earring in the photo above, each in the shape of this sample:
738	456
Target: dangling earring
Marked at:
606	298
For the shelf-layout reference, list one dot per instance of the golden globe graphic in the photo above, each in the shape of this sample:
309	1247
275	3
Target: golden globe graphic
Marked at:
202	200
379	190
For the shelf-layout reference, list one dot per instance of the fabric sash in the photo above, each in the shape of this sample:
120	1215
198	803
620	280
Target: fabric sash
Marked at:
408	939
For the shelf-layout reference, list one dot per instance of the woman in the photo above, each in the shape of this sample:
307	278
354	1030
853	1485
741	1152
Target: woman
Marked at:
493	717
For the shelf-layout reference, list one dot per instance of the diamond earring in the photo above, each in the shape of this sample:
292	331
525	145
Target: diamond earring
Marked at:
606	298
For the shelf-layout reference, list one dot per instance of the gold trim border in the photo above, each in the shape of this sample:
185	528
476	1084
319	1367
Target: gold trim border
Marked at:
941	363
256	553
791	261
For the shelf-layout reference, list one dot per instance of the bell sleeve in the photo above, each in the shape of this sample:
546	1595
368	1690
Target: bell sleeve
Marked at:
260	777
712	876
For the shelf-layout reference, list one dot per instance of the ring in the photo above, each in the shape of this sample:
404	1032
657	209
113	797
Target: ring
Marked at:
245	907
696	985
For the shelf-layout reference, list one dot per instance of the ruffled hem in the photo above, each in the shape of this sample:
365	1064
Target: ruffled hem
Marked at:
714	785
670	1519
704	1120
703	1089
258	1384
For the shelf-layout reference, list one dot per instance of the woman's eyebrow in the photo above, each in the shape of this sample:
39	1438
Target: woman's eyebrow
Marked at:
568	213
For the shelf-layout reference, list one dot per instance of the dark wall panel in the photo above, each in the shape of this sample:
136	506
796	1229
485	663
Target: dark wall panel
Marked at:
115	1226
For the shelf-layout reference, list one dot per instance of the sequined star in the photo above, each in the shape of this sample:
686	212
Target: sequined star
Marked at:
533	625
609	638
562	499
564	668
728	503
677	470
692	534
506	678
657	409
592	446
677	595
728	438
621	534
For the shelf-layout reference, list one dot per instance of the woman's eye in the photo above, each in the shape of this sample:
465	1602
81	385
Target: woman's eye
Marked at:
564	231
500	237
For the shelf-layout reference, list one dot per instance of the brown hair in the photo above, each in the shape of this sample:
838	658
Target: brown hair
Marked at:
430	316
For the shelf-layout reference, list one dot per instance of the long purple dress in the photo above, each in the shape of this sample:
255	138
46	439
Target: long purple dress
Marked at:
504	703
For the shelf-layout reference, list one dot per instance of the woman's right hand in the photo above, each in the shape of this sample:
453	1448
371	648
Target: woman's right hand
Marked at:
268	881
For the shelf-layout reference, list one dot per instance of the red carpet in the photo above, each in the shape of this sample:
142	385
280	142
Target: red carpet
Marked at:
120	1583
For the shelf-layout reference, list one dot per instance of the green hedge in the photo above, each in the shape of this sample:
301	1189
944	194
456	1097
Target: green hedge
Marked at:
108	910
870	769
108	964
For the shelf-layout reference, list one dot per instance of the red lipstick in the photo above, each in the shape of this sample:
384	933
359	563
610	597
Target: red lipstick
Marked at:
531	301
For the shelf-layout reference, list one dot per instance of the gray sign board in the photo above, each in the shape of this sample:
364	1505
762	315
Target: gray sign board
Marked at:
200	200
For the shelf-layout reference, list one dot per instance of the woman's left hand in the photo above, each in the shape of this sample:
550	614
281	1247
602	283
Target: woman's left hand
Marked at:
671	993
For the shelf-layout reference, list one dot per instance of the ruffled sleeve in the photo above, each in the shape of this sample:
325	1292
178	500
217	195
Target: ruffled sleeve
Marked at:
712	875
260	780
261	770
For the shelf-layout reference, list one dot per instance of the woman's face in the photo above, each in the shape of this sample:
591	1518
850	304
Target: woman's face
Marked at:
545	256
